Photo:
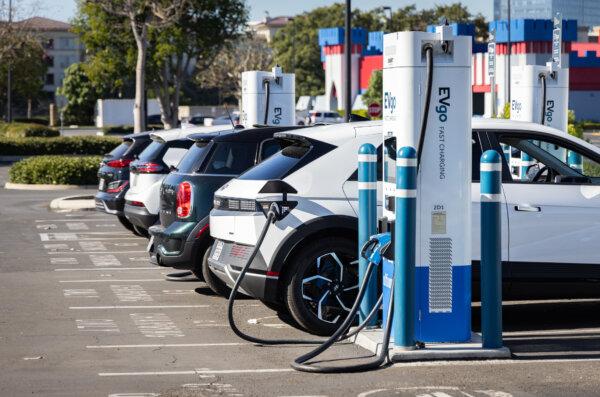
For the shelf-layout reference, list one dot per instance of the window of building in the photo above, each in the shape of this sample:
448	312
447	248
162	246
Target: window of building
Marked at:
48	44
50	61
50	79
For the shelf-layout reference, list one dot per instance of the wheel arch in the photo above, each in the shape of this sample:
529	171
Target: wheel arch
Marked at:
327	226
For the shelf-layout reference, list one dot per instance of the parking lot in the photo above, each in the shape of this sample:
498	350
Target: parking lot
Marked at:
83	313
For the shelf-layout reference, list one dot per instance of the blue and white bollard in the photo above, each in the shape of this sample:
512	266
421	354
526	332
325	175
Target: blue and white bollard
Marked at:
405	248
367	221
575	161
526	162
491	250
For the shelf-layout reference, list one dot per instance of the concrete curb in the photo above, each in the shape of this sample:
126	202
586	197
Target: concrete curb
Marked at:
12	159
85	202
27	186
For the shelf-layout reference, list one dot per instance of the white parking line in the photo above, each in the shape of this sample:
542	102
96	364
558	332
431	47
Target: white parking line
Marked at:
113	280
56	247
131	293
85	269
93	252
64	261
77	226
156	325
137	307
80	293
200	372
47	226
92	246
105	260
97	325
64	220
155	345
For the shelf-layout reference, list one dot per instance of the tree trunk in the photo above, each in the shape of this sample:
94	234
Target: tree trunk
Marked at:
29	108
164	98
139	114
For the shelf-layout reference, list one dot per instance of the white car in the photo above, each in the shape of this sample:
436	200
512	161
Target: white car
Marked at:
323	117
150	168
550	222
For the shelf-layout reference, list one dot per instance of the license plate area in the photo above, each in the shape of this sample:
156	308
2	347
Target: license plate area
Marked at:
218	250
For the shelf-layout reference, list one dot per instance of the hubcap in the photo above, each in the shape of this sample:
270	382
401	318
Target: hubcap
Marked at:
329	287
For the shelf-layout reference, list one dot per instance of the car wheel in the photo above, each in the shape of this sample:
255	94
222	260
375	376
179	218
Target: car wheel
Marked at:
322	284
125	222
140	231
214	283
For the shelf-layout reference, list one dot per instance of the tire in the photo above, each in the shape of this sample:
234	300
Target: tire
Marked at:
214	283
140	231
125	222
332	286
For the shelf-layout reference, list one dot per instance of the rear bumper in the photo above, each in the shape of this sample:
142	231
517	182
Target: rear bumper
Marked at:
176	246
139	216
226	261
111	203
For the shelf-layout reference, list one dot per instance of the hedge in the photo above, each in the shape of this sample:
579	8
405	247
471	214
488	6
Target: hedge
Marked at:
33	120
25	130
56	170
118	130
83	145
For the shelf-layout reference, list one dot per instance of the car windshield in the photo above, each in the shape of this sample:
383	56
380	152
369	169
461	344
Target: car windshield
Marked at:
120	150
193	158
278	165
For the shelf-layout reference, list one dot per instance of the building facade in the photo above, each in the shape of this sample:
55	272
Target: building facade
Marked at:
586	12
268	27
62	47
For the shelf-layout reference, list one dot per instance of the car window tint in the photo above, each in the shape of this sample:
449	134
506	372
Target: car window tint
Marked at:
193	158
269	148
231	158
543	160
277	165
153	152
120	150
173	156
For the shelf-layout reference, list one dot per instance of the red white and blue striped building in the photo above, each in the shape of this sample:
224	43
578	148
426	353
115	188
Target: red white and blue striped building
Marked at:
531	43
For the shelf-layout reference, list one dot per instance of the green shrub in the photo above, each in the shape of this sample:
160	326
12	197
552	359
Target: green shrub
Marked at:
56	170
591	125
118	130
82	145
26	130
33	120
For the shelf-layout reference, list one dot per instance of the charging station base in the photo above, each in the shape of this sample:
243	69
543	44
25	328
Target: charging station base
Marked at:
372	339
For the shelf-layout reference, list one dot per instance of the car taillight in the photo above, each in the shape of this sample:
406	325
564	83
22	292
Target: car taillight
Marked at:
136	203
116	186
202	231
148	168
184	200
120	163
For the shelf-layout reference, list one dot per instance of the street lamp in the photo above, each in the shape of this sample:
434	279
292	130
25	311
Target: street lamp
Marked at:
9	72
348	41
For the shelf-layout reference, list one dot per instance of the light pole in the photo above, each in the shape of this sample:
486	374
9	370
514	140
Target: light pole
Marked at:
508	55
348	41
388	21
9	71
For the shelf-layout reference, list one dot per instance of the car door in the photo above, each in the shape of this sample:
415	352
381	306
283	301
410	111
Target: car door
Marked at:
554	217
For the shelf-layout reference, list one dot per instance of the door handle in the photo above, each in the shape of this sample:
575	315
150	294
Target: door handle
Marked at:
527	208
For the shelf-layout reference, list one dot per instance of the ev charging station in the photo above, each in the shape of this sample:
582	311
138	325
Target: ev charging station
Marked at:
540	94
443	226
268	98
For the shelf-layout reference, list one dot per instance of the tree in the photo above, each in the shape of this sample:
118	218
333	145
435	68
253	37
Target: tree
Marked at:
80	93
203	30
142	15
375	89
172	51
248	53
297	49
22	54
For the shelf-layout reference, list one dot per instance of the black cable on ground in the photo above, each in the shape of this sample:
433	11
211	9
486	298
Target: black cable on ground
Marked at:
299	364
429	59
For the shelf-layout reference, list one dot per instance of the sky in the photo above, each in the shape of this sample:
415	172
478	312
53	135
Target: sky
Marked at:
63	10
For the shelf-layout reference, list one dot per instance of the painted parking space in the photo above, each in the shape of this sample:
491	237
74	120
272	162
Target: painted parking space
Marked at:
140	335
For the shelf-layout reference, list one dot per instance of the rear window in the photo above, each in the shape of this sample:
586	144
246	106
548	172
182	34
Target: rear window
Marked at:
278	165
230	158
169	153
192	160
120	150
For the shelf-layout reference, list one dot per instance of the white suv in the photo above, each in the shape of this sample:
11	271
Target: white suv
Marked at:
307	262
150	168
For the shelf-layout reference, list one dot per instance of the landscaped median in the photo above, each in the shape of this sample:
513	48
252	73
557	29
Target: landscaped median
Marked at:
55	171
77	145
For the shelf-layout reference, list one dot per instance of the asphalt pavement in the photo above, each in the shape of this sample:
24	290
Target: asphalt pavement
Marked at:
83	313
